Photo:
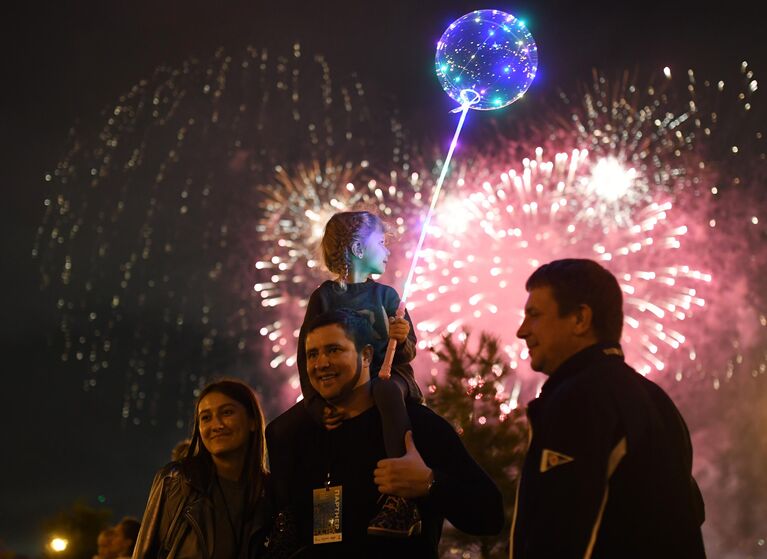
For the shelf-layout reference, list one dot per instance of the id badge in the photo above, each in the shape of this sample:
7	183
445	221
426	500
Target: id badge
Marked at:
328	506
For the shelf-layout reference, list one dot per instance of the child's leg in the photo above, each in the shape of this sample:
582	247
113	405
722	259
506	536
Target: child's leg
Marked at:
398	516
389	396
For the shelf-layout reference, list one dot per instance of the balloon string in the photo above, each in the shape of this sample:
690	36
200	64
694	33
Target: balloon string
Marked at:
385	370
434	197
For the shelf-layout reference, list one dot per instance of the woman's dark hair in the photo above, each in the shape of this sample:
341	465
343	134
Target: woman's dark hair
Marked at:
255	468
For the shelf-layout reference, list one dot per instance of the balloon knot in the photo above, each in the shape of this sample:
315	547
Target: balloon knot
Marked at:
469	97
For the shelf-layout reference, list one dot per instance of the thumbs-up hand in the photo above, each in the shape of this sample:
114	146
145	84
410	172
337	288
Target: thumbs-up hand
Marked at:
407	476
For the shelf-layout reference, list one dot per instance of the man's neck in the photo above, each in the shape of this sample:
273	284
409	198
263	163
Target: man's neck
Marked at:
356	402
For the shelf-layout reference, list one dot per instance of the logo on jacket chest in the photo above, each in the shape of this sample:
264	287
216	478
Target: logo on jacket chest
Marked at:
550	459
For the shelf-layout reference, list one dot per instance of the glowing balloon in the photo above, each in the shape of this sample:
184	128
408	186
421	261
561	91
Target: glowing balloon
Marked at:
486	58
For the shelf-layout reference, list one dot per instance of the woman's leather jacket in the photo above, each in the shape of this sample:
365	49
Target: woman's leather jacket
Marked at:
179	521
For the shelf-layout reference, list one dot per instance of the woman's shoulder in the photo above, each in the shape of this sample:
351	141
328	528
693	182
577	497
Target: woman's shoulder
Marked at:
193	471
169	477
175	482
171	469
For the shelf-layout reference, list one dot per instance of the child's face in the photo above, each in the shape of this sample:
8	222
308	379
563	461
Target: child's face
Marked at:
375	254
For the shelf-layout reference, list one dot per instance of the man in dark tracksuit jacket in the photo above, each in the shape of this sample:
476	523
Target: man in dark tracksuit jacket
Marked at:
608	470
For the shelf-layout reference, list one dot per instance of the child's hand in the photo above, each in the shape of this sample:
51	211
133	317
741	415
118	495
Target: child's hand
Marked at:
399	328
332	417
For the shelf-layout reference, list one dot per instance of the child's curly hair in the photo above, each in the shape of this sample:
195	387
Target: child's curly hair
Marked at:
341	232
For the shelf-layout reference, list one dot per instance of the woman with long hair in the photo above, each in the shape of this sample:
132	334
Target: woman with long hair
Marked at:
211	503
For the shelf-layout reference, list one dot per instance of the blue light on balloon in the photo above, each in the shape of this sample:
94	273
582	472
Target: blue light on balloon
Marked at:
486	58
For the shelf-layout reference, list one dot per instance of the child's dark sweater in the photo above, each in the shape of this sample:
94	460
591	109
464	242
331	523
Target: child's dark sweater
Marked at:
376	301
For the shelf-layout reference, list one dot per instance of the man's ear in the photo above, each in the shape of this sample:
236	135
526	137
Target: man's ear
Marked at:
357	249
367	355
583	316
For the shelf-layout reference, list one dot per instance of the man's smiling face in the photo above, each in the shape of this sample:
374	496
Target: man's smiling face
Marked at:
335	367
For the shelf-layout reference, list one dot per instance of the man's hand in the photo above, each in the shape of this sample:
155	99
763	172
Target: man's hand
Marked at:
407	476
399	328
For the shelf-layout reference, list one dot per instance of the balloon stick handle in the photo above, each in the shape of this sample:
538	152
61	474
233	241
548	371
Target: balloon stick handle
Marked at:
385	372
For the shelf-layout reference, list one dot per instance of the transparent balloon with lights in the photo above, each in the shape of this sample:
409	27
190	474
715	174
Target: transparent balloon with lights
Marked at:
487	57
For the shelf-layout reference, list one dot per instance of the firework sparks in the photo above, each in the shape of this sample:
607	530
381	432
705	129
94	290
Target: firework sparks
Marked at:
626	199
295	211
641	143
182	239
495	230
147	235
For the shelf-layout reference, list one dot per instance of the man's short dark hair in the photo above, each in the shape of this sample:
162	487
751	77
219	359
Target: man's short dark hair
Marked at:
355	325
578	281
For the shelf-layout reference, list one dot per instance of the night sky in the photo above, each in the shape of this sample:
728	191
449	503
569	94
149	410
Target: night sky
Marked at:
66	61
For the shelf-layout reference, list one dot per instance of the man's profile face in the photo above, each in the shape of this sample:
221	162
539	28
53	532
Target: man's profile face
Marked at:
550	338
333	363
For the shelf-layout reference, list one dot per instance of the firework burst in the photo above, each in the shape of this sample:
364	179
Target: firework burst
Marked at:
497	227
295	209
181	238
146	245
686	153
630	196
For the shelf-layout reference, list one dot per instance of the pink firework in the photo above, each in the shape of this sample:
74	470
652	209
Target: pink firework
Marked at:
296	208
499	224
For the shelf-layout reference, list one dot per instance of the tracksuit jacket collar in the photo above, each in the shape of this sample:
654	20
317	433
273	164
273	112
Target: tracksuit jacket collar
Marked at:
578	362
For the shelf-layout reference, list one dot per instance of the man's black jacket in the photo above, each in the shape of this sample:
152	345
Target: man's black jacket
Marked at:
609	468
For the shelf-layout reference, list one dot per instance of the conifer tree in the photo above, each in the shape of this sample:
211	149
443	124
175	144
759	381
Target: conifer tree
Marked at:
470	394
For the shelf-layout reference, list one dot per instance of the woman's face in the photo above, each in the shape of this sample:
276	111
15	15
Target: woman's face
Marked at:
224	424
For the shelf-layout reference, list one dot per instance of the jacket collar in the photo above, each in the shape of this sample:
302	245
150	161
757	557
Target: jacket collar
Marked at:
579	362
197	473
